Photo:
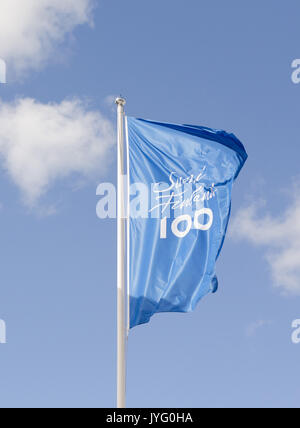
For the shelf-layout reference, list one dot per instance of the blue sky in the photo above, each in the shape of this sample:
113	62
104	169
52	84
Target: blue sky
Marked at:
220	64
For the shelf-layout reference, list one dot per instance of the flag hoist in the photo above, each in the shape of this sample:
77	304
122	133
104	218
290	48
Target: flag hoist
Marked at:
121	265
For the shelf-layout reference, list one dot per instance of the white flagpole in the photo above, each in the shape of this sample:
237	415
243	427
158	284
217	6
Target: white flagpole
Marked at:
121	308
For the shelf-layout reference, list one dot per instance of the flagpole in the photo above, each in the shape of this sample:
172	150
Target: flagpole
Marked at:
121	326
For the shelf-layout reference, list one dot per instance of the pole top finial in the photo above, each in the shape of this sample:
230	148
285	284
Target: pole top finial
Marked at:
120	101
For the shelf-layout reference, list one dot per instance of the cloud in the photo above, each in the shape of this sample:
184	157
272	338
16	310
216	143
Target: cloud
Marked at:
30	29
253	327
279	235
42	143
2	71
110	102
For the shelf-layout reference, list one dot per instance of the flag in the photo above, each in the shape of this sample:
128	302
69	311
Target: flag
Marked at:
180	178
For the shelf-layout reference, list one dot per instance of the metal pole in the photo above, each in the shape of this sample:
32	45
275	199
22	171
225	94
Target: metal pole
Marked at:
121	341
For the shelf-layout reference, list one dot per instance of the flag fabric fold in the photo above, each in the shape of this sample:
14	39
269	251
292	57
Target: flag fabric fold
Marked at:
181	178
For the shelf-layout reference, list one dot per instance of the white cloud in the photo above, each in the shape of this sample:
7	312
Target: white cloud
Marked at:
256	325
41	143
279	235
110	103
29	29
2	71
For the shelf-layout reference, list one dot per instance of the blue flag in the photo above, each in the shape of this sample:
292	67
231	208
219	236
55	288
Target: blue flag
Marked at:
181	178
